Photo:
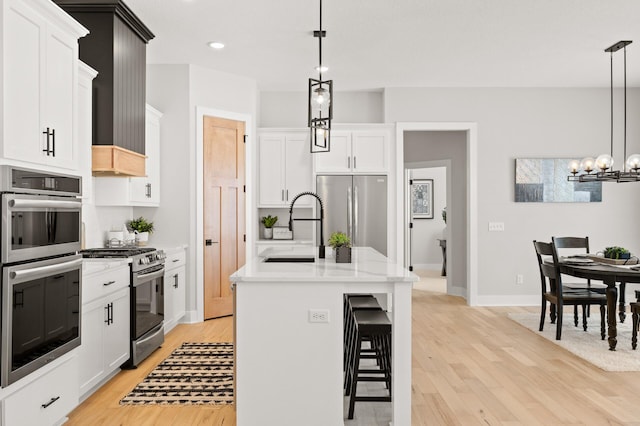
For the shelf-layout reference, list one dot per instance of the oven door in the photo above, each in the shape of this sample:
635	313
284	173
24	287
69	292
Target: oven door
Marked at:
40	314
148	294
39	226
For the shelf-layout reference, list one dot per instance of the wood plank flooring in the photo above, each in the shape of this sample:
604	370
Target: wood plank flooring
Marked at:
471	366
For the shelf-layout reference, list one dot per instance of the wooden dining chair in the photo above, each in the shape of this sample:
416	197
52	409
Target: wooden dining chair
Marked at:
557	295
635	319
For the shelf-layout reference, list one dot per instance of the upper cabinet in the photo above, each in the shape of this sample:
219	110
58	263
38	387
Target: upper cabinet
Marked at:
145	191
356	151
40	80
136	191
285	168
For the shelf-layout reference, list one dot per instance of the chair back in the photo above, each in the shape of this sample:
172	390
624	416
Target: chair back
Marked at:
549	271
571	243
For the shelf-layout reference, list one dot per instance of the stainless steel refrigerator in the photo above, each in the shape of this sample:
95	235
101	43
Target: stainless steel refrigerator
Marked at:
357	206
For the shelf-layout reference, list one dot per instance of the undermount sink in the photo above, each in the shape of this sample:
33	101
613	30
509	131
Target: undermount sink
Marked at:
290	259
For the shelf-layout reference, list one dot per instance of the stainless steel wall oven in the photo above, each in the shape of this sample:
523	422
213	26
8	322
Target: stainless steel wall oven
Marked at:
40	235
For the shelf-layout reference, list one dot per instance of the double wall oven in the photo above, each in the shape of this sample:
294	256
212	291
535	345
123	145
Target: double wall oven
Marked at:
40	236
147	298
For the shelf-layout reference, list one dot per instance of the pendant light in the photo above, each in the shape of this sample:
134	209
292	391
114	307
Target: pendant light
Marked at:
320	102
601	169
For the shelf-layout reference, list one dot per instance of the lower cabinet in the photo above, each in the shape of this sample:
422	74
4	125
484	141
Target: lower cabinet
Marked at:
105	327
174	288
46	400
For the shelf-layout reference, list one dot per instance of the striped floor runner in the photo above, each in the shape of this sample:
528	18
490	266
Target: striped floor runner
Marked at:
195	373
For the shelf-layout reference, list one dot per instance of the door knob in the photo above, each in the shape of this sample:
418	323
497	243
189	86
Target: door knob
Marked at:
209	242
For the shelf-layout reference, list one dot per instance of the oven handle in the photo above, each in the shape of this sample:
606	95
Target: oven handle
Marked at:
49	269
142	278
45	204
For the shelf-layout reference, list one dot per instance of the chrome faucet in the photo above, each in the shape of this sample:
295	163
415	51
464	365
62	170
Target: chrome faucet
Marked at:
291	219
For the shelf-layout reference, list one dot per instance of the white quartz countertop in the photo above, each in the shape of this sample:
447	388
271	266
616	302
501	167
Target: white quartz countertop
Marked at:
367	265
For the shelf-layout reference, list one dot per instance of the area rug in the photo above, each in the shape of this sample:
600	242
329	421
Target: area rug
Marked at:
587	344
195	373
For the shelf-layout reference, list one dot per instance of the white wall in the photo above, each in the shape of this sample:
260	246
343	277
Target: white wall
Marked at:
177	91
425	248
526	123
289	109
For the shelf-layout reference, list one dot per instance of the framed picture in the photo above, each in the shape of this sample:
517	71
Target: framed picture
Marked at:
422	198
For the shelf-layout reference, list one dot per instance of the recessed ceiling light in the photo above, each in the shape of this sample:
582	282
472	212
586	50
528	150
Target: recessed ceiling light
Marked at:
216	45
322	69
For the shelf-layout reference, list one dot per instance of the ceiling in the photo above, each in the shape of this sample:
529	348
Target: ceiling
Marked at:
372	44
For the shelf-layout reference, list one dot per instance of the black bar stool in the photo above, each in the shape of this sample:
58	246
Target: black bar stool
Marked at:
375	326
354	303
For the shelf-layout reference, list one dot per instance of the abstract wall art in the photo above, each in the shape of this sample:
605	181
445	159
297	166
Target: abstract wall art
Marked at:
544	180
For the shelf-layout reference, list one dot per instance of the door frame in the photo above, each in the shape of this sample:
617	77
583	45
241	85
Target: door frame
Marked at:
198	227
471	130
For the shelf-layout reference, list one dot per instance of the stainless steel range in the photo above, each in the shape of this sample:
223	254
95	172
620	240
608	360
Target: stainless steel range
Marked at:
147	297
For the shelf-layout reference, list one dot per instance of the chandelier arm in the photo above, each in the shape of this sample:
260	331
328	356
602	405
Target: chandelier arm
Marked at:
611	101
624	158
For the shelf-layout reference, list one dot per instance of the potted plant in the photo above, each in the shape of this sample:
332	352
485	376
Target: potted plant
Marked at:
268	222
142	228
616	252
341	244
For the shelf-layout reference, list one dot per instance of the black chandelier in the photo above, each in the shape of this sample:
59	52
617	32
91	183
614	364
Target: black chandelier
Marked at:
601	169
320	102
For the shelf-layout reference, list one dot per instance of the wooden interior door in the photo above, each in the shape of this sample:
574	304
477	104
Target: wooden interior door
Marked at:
224	211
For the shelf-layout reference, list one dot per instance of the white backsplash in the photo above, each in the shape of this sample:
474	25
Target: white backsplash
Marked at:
98	221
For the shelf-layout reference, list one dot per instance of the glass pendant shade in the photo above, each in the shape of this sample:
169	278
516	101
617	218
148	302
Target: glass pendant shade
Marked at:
633	162
574	166
604	162
587	164
321	100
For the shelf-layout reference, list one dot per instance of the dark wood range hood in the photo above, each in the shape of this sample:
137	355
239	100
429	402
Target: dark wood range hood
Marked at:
116	48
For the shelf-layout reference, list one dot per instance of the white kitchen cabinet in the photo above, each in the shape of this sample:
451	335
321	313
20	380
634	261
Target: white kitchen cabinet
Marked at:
356	151
105	323
145	191
46	400
39	89
285	168
175	291
136	191
86	74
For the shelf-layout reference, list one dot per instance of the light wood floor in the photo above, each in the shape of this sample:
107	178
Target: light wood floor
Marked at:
471	366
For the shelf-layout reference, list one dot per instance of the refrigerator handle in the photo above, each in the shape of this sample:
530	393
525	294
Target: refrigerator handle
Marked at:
355	215
349	214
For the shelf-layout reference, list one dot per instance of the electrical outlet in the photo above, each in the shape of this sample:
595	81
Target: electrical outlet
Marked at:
318	315
496	226
519	279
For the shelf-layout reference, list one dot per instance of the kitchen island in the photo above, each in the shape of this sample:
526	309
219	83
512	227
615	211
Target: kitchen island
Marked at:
289	336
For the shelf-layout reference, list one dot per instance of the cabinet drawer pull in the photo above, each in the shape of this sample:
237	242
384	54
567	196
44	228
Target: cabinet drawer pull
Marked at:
51	401
348	162
109	283
176	260
354	162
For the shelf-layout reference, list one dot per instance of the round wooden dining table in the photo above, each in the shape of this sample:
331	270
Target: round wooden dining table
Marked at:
610	275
